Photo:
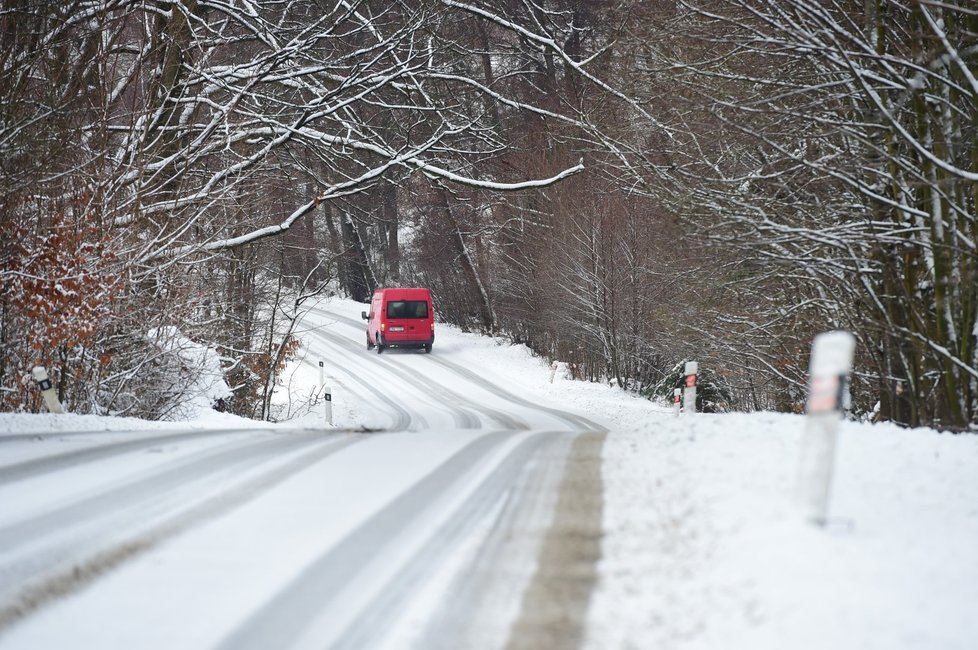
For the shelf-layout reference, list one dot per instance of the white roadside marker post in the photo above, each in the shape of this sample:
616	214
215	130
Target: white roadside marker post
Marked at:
676	396
828	379
329	405
47	390
689	397
327	395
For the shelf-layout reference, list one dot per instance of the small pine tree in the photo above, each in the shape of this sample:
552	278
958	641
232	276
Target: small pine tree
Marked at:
713	394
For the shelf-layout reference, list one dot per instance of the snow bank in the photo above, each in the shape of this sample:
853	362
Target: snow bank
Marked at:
197	386
21	423
705	548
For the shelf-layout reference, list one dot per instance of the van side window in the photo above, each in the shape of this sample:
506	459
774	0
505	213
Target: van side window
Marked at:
407	309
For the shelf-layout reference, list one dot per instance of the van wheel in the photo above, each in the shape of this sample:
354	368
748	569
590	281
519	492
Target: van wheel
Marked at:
380	346
427	349
370	346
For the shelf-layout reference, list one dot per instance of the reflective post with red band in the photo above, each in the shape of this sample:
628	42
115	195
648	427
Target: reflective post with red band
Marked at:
676	396
689	395
828	378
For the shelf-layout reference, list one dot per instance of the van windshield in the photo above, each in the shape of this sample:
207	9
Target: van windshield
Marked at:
407	309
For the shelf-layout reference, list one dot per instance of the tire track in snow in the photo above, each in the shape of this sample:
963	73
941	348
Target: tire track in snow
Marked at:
486	593
488	500
324	605
576	422
403	419
464	418
88	562
503	419
41	436
61	460
148	487
554	607
354	352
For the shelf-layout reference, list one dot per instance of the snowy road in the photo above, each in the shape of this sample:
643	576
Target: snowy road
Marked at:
442	529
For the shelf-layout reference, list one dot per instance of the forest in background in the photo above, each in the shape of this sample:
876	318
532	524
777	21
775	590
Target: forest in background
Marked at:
619	184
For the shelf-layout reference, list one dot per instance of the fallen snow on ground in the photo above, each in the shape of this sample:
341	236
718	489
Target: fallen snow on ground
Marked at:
704	547
205	385
41	423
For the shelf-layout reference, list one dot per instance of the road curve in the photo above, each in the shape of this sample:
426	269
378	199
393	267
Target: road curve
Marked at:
414	374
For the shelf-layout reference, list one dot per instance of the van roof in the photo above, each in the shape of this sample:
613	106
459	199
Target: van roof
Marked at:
408	293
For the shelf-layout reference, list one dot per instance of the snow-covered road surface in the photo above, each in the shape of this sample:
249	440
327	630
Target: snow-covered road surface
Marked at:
431	390
261	537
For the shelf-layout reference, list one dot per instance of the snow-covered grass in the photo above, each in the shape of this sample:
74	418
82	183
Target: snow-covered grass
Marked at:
704	547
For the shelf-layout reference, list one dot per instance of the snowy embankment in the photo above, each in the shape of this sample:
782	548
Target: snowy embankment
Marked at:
703	547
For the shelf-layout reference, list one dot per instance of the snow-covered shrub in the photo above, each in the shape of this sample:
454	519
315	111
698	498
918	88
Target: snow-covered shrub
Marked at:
59	285
190	378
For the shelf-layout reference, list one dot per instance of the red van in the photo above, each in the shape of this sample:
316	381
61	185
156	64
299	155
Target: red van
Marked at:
400	318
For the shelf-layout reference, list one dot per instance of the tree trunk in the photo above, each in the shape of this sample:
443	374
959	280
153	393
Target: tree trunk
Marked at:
391	223
469	269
